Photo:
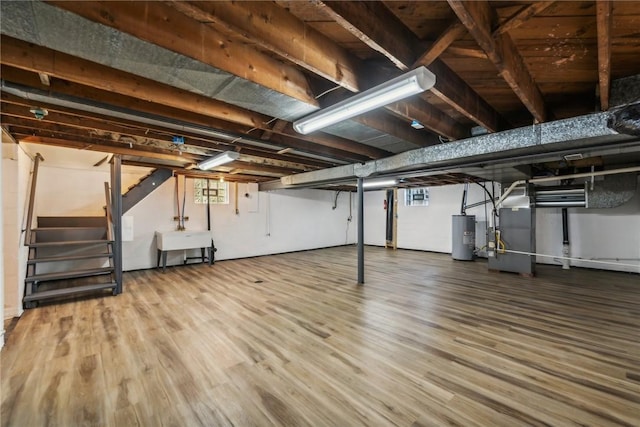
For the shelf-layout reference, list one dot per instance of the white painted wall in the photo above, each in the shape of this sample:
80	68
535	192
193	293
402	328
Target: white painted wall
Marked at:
16	169
287	220
604	234
291	220
2	253
601	234
64	191
424	227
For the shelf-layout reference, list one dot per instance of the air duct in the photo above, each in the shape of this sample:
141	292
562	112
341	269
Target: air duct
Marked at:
613	191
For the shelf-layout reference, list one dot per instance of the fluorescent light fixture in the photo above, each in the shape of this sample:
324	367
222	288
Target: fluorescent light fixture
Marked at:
374	184
411	83
220	159
575	156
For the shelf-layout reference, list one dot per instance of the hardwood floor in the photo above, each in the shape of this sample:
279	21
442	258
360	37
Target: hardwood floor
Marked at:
291	340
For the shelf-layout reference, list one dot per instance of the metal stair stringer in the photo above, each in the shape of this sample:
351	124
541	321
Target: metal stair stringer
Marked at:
144	187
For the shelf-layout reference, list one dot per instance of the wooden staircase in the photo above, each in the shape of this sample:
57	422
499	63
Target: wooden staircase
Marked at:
65	248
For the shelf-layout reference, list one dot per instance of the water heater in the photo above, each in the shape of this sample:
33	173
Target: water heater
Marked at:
464	237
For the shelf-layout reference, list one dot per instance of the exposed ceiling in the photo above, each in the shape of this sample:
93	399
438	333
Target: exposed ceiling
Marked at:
126	77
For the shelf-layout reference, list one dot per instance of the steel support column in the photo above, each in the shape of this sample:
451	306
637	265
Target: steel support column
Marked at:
360	231
116	203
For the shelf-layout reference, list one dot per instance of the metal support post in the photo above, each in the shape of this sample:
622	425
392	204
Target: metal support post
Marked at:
116	198
360	231
565	239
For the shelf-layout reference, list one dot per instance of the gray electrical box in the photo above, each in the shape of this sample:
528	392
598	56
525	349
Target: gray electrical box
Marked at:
463	233
517	231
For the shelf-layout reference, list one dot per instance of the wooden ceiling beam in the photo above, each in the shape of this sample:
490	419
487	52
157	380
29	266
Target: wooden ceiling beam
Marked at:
195	173
371	22
310	147
300	145
331	141
96	146
383	32
467	52
522	16
260	162
275	29
451	34
479	18
27	56
249	166
77	90
181	38
397	127
198	174
17	114
603	20
14	115
293	161
63	132
17	107
160	24
278	126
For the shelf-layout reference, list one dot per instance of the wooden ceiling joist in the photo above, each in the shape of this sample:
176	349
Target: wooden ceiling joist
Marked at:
370	21
275	29
122	17
248	166
162	25
119	101
16	114
603	21
98	146
27	56
18	107
451	34
522	16
479	18
195	173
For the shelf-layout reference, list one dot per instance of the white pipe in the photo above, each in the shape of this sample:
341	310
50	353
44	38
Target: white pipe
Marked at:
565	257
560	177
569	258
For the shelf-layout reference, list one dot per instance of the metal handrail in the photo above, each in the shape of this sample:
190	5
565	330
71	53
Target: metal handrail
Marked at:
32	196
109	213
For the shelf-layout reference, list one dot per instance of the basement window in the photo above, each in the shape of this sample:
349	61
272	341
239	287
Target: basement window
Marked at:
416	196
214	193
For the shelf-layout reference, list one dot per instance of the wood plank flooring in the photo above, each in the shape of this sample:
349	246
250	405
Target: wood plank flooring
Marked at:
290	340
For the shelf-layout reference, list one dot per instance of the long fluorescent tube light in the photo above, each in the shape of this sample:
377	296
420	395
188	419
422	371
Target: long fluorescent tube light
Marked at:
411	83
374	184
220	159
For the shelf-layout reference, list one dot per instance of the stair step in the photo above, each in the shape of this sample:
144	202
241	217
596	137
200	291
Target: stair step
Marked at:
69	257
72	221
68	274
69	243
68	291
68	228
